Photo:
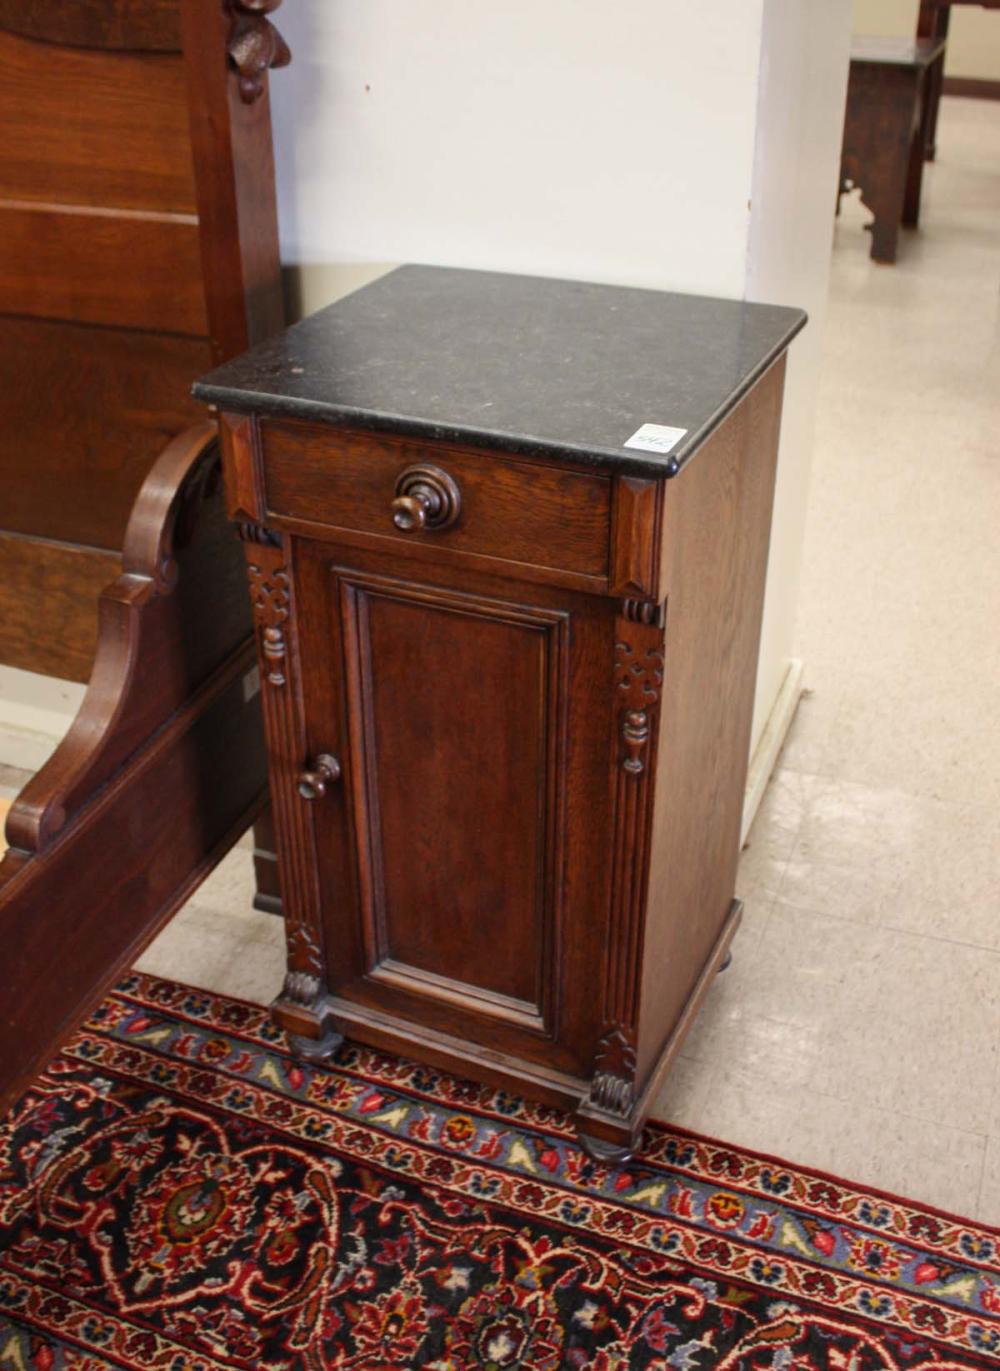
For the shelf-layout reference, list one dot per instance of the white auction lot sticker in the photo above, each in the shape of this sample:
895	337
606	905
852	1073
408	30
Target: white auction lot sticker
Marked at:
655	438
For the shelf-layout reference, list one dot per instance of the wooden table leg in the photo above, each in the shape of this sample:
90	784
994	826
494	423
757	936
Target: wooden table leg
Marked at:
932	22
918	148
878	141
885	236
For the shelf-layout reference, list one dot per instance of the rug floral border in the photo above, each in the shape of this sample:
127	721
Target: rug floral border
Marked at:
751	1220
733	1214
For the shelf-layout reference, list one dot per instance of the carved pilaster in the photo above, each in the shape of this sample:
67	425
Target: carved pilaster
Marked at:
254	45
638	681
302	1006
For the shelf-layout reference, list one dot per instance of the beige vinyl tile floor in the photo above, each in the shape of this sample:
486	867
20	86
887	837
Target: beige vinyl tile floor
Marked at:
858	1029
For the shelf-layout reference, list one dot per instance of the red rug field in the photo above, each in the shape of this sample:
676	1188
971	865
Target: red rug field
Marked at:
178	1193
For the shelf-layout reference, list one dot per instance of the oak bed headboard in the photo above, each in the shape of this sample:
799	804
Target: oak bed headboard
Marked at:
139	245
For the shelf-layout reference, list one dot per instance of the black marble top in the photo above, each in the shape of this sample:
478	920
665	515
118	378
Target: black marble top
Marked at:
519	364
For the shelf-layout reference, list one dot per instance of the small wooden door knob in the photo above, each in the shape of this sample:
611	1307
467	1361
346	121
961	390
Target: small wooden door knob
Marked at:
426	498
324	772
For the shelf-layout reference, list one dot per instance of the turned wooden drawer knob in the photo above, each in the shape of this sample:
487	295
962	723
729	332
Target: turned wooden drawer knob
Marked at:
426	497
313	783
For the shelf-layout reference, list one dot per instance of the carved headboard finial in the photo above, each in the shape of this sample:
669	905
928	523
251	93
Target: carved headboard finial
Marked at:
255	45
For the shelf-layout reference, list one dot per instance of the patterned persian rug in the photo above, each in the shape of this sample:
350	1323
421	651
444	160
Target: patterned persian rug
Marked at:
176	1192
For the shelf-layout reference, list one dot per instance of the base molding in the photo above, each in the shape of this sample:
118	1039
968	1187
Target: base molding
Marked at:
603	1135
304	1010
772	740
378	1029
974	87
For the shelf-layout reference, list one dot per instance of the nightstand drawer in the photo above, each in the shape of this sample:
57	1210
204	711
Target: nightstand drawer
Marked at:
437	496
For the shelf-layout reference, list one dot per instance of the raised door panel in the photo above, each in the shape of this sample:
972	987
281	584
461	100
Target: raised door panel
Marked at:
457	788
459	891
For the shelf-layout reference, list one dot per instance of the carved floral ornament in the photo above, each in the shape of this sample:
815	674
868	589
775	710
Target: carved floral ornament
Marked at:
254	45
304	956
270	595
639	676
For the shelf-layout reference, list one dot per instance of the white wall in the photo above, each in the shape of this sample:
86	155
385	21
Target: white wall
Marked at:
650	142
563	137
803	87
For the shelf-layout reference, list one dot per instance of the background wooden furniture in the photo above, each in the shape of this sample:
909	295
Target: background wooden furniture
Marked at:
932	23
140	236
884	132
161	771
508	665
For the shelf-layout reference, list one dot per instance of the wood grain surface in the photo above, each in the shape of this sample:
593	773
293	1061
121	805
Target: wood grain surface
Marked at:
716	535
139	216
152	25
128	270
234	174
511	510
160	772
94	128
48	604
114	398
428	907
467	836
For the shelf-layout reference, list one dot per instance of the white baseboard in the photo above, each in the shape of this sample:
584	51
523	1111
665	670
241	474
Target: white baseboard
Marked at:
765	754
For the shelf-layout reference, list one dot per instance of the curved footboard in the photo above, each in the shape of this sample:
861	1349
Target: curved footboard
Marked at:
162	769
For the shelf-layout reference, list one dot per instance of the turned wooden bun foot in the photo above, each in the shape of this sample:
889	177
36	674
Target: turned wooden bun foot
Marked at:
316	1049
608	1153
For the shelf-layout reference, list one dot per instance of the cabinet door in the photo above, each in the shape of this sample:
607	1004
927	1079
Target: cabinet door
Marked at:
463	867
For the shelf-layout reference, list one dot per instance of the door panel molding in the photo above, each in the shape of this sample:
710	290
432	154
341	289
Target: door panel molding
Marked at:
362	597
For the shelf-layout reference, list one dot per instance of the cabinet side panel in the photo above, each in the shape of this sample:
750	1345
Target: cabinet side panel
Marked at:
716	532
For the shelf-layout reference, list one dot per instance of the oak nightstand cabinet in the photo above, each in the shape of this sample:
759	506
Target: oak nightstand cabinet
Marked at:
507	665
